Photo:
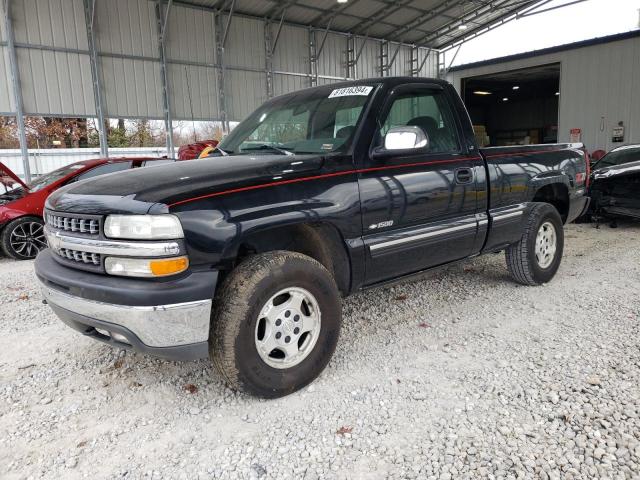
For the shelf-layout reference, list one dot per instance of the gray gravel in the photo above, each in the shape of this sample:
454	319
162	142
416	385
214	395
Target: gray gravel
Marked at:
460	375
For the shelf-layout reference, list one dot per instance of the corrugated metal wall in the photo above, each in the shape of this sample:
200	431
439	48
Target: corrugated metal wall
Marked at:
55	70
56	26
6	98
598	89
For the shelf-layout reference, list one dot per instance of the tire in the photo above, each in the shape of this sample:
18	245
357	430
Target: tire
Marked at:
250	311
31	229
529	265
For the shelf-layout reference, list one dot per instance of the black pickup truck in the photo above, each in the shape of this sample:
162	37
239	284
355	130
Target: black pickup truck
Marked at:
243	257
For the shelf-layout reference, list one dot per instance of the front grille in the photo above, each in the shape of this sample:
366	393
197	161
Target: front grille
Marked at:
74	224
80	257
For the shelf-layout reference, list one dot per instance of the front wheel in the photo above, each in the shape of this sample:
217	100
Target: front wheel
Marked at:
276	323
535	259
23	238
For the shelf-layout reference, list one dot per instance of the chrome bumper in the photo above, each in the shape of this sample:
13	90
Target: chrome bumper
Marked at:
155	326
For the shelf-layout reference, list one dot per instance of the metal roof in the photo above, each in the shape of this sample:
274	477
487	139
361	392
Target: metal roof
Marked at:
546	51
431	23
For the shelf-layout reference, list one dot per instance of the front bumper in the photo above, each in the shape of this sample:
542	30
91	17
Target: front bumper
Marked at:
169	318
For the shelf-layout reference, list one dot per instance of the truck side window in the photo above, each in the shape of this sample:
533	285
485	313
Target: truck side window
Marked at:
429	111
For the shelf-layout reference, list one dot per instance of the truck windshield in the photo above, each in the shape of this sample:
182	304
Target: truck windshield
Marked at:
313	121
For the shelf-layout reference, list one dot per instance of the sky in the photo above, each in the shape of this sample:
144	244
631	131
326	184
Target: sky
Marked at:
589	19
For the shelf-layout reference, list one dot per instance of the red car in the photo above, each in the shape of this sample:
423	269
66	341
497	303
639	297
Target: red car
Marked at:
21	205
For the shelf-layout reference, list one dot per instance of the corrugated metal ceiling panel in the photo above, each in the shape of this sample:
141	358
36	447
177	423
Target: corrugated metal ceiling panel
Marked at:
384	19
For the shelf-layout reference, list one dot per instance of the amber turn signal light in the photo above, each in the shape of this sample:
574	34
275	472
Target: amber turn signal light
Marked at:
168	266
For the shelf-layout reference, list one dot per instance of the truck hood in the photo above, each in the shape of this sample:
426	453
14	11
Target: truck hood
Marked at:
4	170
151	189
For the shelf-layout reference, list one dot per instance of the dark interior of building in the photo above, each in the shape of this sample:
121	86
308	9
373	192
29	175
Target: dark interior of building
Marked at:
518	107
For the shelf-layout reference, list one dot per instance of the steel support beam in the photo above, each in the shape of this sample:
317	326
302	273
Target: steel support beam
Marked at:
416	72
270	45
161	21
452	30
351	55
17	90
221	73
89	17
384	55
222	34
313	58
392	60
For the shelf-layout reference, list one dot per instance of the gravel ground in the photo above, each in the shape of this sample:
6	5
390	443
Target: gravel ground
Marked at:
460	375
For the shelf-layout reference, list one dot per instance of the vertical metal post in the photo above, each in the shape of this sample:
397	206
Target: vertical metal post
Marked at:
313	58
268	55
89	17
164	78
413	60
17	90
384	55
351	56
270	44
421	65
221	73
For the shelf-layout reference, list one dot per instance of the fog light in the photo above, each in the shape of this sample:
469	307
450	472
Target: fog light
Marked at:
145	267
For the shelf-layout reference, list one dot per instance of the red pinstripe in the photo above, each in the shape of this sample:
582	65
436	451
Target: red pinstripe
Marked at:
318	177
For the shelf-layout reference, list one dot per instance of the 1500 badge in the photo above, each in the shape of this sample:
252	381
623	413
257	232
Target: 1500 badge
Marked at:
386	224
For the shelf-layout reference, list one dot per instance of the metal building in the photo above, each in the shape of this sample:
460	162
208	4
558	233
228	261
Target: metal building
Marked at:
598	100
215	59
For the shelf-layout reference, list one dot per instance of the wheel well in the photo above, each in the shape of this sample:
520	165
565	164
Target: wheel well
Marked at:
557	195
319	241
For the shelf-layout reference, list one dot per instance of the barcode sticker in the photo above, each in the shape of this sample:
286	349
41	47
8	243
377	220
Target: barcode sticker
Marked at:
351	91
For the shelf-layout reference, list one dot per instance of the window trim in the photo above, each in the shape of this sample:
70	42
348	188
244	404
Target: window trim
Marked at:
417	87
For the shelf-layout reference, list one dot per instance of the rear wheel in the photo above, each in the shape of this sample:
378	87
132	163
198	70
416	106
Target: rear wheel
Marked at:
535	259
276	323
23	238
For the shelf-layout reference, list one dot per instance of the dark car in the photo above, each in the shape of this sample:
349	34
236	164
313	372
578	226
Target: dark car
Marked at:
615	183
242	258
21	205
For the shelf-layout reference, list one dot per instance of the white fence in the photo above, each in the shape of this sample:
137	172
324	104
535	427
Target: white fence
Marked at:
45	160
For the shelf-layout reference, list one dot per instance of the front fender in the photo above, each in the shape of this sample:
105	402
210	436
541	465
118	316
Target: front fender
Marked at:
215	227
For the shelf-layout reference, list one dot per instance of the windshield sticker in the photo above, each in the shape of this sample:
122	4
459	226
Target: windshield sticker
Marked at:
351	91
327	146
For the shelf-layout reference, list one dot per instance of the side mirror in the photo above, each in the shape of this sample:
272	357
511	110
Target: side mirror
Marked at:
409	137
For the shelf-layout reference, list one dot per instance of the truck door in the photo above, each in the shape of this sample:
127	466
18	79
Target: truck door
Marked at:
419	205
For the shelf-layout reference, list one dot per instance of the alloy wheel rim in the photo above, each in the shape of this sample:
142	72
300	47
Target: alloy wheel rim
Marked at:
27	239
288	327
546	245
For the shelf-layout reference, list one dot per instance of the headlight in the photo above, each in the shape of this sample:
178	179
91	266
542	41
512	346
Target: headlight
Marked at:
143	227
145	267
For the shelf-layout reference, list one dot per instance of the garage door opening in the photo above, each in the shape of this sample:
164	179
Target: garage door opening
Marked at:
518	107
